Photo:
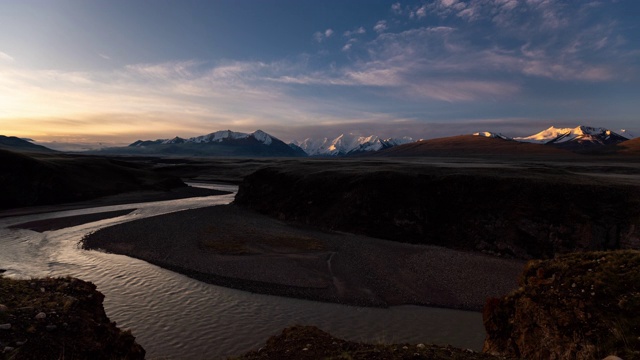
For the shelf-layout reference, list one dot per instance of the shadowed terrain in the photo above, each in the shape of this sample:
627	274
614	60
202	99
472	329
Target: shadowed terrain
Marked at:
309	342
518	210
472	146
16	144
59	319
40	179
578	306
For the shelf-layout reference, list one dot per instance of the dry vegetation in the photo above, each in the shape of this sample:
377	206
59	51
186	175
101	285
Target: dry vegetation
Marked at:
577	306
59	319
247	241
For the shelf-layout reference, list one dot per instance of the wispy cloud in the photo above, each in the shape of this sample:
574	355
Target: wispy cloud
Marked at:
482	52
421	12
396	8
320	36
6	57
359	31
380	26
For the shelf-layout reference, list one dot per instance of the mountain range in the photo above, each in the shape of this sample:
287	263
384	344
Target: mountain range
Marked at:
18	144
260	144
219	143
569	138
348	144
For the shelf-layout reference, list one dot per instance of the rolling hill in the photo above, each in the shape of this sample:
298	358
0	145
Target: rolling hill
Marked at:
13	143
470	145
44	179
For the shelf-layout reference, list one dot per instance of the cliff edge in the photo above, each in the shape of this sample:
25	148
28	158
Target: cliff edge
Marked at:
524	213
578	306
59	319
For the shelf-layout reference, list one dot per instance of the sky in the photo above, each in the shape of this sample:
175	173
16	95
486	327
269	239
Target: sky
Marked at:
111	72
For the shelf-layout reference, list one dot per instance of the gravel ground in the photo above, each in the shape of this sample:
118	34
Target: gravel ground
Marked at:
233	247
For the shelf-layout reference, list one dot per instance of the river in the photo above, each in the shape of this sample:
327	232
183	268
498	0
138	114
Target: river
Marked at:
176	317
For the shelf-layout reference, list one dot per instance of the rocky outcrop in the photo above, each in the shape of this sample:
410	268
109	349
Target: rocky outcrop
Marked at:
577	306
517	212
309	342
59	319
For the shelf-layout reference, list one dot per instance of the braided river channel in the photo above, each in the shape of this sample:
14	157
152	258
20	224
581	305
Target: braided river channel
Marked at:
176	317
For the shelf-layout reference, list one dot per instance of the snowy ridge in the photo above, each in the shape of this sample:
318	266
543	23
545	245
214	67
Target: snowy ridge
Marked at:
348	144
627	134
492	135
581	134
262	137
218	136
545	135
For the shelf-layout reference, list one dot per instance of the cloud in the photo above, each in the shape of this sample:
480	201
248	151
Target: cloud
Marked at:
396	8
483	52
447	3
359	31
104	56
320	36
380	26
6	57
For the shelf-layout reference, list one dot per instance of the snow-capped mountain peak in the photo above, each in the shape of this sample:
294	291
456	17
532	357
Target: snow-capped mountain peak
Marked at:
218	136
490	134
214	137
545	136
263	137
390	142
175	140
348	144
584	135
627	134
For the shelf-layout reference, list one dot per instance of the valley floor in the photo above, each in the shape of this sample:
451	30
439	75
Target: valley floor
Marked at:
233	247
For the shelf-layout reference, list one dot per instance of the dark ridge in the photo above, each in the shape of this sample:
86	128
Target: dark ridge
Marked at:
471	146
516	212
16	144
34	179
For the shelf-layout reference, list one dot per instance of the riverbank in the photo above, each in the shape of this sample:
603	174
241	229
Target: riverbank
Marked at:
132	197
59	319
237	248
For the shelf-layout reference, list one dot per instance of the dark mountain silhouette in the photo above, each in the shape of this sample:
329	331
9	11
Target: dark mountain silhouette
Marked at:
42	179
16	144
220	143
470	145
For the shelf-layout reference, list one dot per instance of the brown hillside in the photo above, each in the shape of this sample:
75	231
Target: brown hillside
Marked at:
630	147
470	145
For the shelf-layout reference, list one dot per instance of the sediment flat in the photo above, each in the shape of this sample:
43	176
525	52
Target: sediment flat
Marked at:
238	248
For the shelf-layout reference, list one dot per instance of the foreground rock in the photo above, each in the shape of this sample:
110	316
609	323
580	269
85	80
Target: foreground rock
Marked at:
578	306
308	342
59	319
514	211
